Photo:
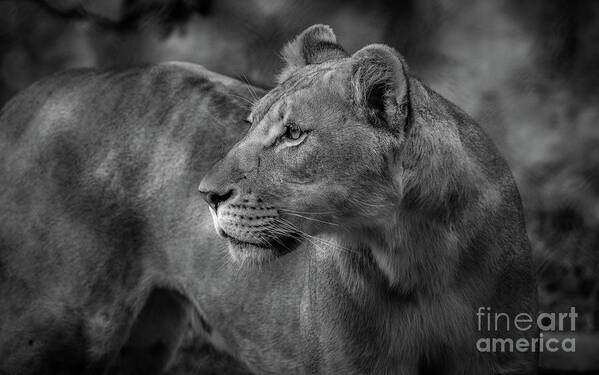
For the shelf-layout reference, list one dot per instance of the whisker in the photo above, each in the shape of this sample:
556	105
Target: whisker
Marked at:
359	201
281	243
312	240
306	212
245	100
310	237
215	119
250	88
312	219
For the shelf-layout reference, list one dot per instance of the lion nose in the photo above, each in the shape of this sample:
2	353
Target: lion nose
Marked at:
215	198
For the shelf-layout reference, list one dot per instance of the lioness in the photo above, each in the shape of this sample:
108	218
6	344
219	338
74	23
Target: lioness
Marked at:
357	228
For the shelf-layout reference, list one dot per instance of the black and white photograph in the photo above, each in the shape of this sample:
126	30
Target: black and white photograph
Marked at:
249	187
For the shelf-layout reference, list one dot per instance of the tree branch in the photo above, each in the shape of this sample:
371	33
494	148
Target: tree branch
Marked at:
168	13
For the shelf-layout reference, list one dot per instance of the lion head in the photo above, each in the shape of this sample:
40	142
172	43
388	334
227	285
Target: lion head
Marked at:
332	152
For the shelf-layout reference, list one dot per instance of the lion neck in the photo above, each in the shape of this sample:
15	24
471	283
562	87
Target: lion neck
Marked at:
413	247
403	256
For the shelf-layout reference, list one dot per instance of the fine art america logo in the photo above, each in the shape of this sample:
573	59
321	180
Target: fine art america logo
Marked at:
500	323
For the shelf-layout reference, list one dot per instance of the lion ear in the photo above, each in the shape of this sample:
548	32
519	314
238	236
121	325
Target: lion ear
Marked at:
380	86
314	45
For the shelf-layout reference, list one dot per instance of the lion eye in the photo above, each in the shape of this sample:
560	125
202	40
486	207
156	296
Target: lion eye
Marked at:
292	132
293	135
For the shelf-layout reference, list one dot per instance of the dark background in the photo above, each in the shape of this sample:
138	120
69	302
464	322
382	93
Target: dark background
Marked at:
527	71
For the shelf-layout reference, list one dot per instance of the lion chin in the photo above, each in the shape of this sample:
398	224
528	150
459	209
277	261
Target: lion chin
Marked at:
248	253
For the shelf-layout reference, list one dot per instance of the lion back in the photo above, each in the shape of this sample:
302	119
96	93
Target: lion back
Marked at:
91	164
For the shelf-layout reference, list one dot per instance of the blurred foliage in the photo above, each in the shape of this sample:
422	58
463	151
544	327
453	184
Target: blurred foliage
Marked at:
527	71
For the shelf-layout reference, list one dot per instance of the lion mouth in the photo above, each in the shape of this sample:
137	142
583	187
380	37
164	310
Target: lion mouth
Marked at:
245	252
260	252
252	233
245	244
